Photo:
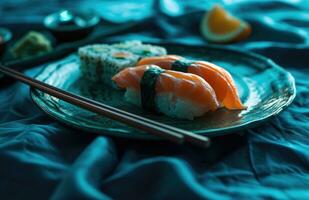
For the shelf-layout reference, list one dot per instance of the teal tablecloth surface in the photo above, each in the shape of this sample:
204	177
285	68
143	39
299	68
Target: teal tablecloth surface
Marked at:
40	158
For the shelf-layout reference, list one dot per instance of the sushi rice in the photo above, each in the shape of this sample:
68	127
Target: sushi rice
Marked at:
169	105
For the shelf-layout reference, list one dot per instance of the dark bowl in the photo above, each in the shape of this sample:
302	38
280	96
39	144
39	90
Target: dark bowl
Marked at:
6	36
68	25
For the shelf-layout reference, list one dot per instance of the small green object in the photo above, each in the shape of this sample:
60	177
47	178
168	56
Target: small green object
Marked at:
31	44
181	65
146	52
148	88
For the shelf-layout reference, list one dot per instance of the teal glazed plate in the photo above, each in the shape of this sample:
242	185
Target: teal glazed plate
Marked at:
264	87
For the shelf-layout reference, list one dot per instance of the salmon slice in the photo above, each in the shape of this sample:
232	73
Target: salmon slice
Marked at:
183	85
164	62
219	79
222	82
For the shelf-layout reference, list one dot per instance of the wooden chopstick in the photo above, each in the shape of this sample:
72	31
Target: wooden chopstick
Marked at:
162	130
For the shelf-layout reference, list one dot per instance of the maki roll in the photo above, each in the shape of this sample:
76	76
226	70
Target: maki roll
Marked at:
176	94
219	79
99	62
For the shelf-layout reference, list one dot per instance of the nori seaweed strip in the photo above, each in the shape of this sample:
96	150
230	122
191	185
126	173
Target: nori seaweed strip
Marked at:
181	65
148	90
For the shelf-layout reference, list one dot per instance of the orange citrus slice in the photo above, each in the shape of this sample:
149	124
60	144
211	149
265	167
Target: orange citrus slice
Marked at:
219	26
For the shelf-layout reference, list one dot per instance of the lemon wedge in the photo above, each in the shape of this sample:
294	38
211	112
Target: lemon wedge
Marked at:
219	26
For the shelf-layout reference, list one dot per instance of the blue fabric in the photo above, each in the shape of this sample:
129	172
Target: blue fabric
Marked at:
40	158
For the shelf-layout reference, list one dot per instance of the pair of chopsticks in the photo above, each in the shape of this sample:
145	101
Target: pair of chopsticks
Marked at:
153	127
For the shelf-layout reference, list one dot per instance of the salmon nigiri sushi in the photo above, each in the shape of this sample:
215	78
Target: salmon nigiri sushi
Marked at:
175	94
219	79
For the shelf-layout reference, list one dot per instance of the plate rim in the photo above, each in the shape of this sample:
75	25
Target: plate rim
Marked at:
211	132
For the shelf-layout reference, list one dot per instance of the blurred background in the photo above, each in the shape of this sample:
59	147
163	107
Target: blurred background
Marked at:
275	24
121	11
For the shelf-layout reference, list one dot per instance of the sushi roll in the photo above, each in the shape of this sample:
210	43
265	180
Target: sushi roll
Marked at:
175	94
99	62
219	79
138	48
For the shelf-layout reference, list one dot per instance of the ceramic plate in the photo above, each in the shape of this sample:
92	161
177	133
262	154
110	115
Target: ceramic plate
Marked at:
264	87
